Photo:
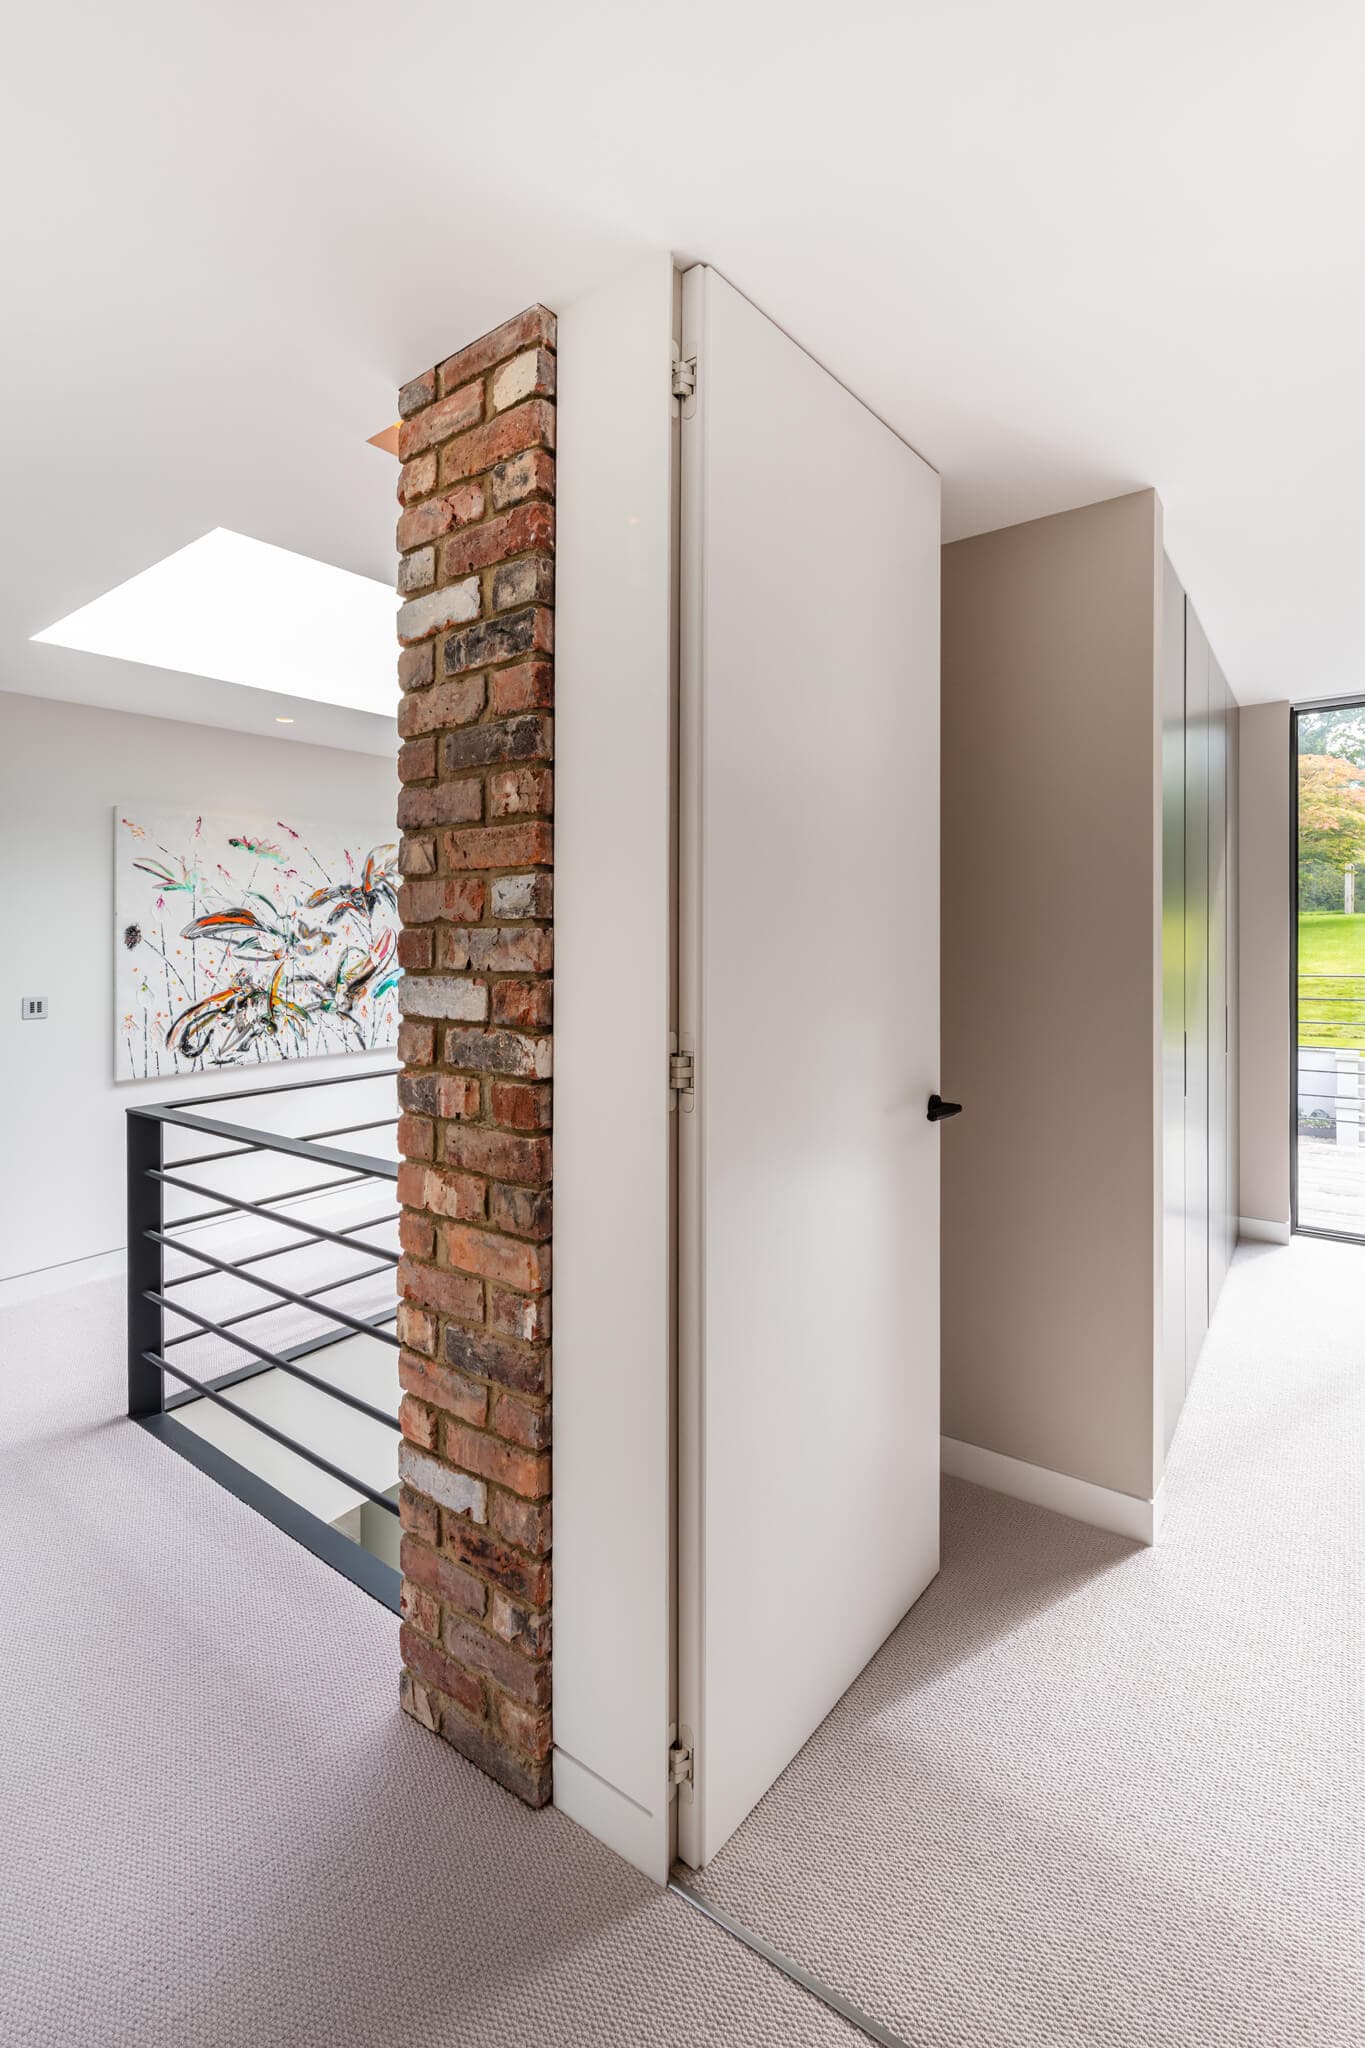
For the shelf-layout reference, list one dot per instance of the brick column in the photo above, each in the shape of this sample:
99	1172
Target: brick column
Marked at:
476	539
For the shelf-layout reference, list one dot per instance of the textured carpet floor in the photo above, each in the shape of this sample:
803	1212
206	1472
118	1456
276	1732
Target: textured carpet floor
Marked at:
217	1831
1108	1797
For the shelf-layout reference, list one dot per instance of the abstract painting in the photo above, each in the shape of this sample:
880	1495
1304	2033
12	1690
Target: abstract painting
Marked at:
240	941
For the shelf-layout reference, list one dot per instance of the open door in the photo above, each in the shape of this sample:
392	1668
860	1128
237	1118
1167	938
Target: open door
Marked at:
809	999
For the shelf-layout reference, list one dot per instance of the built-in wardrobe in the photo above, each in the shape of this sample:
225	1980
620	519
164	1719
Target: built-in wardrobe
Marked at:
1089	1006
1199	982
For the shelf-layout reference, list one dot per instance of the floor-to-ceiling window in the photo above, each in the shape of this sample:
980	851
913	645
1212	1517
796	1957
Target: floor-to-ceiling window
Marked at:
1329	987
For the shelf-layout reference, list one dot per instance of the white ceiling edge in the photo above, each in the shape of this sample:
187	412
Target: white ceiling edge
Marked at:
110	685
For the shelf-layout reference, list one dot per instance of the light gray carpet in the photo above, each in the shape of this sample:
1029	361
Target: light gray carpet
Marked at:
217	1831
1108	1797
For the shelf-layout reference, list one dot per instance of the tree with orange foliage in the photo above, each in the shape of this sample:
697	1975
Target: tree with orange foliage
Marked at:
1331	811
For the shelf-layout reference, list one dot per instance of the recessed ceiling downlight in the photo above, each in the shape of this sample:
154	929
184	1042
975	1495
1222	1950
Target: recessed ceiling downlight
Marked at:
246	612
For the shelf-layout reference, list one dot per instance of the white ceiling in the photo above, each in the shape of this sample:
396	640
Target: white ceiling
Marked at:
1066	249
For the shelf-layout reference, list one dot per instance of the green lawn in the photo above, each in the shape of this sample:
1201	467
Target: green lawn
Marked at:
1332	979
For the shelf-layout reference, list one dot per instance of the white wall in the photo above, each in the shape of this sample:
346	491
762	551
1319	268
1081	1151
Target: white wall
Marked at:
613	923
63	767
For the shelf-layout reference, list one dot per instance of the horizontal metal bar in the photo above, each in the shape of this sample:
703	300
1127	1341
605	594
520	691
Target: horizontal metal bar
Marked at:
342	1553
288	1365
317	1187
203	1158
299	1148
278	1088
270	1308
308	1301
272	1216
381	1500
375	1123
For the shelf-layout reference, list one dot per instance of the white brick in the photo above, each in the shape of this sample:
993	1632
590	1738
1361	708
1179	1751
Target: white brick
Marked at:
454	606
519	378
443	995
453	1490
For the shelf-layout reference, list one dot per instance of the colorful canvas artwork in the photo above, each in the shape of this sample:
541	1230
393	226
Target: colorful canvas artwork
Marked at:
240	941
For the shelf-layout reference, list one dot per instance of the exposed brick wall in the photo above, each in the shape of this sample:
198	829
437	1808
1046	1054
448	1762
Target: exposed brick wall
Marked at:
476	540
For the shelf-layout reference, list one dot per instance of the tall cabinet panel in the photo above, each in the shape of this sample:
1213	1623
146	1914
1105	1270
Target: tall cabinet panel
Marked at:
1197	927
1219	1033
1173	994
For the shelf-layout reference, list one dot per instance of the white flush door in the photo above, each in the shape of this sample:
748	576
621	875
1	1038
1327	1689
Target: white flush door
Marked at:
809	993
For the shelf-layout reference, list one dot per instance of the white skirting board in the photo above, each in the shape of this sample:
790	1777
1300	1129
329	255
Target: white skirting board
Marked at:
1261	1232
611	1816
1124	1514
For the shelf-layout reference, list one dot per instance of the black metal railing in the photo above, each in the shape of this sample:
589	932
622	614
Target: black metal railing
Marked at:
278	1267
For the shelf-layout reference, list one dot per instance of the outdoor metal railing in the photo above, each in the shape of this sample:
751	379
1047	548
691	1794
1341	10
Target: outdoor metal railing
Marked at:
229	1282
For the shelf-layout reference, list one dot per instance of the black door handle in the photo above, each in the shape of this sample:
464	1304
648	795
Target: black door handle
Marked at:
938	1109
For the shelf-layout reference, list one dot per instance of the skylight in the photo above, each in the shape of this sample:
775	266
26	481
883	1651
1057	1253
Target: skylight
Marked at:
247	612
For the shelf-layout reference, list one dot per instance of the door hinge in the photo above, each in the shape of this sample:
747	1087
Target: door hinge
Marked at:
684	376
682	1073
680	1764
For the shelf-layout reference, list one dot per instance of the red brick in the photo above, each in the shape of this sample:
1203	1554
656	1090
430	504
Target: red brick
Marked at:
520	1423
452	414
440	896
530	686
528	475
526	1628
462	1196
536	324
510	1260
415	947
525	1524
448	803
530	737
525	1005
453	1294
412	1184
526	1473
419	1516
498	1052
417	1234
428	521
418	1423
442	1387
498	949
524	1316
434	1668
504	1563
526	1729
525	1161
422	1609
496	540
417	392
523	1108
439	1095
416	666
525	1212
417	1041
489	641
416	1137
416	855
417	763
493	1358
527	1679
501	846
417	478
417	572
515	792
528	581
448	704
416	1328
444	1579
526	426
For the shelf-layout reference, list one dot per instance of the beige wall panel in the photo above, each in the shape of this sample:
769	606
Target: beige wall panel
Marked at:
1051	991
